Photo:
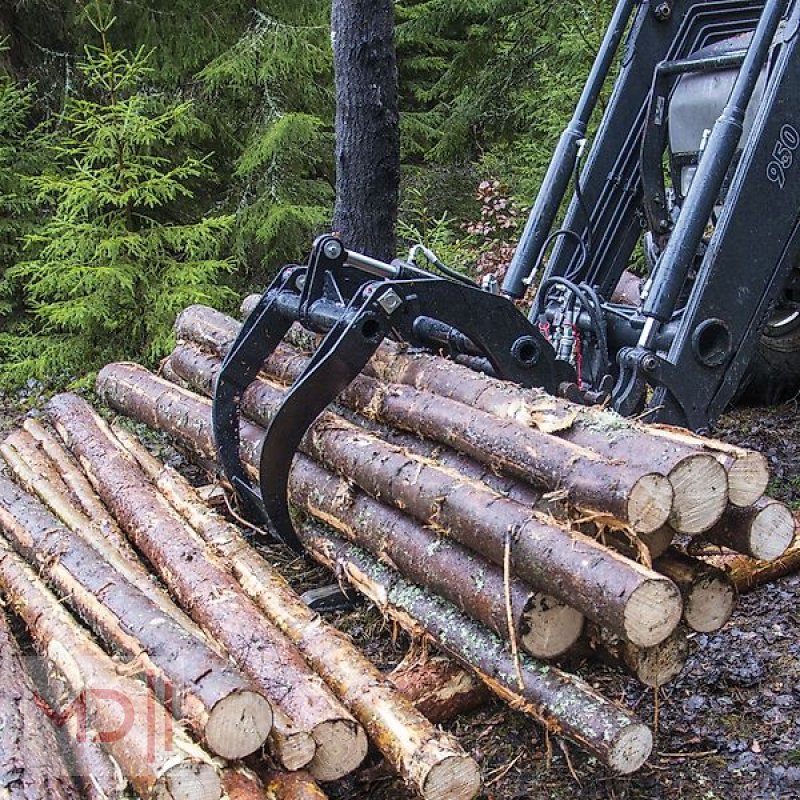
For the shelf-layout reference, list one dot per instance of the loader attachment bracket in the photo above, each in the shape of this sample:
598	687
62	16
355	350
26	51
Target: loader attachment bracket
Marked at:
358	302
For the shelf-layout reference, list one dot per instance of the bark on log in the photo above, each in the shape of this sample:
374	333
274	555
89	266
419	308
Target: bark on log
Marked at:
562	702
99	775
546	627
441	689
709	596
209	593
31	764
30	461
242	784
433	763
291	786
549	694
652	666
603	432
763	531
636	495
214	699
153	751
748	471
614	591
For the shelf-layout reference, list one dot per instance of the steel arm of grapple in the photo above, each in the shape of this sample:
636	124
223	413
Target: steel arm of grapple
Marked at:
403	308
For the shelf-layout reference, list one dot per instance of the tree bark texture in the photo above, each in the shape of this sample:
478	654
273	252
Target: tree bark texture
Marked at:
218	703
603	585
34	469
157	757
128	389
31	764
636	494
439	687
211	595
561	701
367	126
419	752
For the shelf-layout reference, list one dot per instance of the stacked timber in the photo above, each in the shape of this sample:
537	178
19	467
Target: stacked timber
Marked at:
251	653
517	532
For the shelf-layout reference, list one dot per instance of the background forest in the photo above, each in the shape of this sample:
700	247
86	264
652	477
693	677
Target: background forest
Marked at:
154	154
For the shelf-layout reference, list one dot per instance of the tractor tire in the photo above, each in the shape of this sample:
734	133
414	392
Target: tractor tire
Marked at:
774	373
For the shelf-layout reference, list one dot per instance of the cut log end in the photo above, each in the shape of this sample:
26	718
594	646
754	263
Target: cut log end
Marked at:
631	749
652	613
454	778
238	725
190	780
748	477
341	747
650	503
711	602
701	493
771	532
550	627
293	749
659	665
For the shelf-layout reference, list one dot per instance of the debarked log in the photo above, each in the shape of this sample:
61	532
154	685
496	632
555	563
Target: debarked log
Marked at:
211	595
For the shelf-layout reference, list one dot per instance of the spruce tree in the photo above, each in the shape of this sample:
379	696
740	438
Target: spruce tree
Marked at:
18	160
276	87
115	258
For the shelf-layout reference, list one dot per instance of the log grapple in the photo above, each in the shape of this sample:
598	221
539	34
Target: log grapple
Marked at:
713	86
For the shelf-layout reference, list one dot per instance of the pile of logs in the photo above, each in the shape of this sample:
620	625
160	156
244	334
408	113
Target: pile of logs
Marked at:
518	532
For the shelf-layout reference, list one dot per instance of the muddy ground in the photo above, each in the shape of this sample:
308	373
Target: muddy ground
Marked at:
728	728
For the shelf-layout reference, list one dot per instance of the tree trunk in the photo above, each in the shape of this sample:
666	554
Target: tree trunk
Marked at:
216	701
152	750
210	594
99	775
367	126
617	593
422	755
31	765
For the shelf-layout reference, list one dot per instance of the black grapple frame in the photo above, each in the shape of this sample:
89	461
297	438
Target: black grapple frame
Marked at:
681	353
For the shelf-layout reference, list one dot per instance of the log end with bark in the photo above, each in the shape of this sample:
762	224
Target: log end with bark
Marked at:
238	724
550	627
701	493
341	746
650	503
652	612
763	531
709	596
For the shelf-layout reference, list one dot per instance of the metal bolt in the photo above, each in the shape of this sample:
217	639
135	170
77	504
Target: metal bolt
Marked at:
649	363
390	301
663	11
332	249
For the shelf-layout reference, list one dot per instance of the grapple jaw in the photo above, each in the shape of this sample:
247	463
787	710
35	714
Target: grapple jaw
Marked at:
357	302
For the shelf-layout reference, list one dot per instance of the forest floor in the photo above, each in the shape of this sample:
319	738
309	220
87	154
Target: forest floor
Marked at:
727	729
